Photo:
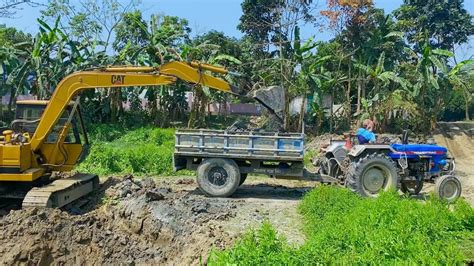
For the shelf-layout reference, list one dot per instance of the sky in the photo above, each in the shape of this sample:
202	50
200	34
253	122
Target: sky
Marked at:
220	15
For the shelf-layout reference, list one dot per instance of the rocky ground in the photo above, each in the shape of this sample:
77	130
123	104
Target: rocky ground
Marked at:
167	220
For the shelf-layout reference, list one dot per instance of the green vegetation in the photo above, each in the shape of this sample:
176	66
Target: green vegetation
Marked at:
309	154
343	228
138	151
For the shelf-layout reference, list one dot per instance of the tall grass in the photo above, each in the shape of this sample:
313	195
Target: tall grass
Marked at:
342	228
139	151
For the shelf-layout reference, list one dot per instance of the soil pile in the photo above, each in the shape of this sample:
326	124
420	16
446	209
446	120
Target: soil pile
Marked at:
458	138
137	222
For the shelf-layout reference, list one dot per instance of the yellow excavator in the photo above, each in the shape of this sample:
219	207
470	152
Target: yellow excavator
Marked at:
49	136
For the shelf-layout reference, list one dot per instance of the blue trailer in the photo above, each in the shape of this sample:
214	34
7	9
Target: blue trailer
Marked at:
223	159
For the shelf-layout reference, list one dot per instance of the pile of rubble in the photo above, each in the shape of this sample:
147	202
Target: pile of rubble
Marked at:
128	222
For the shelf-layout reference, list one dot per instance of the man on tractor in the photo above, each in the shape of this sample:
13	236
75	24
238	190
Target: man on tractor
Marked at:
365	134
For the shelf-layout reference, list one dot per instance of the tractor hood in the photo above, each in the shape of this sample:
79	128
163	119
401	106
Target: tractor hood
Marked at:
419	149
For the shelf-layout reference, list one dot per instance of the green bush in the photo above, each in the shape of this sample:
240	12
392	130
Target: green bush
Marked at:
256	247
104	132
343	228
139	151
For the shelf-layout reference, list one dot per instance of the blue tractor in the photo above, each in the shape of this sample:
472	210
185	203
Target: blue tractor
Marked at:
371	168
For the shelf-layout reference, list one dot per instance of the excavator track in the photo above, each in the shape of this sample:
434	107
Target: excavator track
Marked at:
61	192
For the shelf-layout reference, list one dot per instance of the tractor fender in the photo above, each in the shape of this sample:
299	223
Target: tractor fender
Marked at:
357	150
336	150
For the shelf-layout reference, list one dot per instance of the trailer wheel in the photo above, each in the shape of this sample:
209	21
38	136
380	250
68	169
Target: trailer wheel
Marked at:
242	178
448	187
371	175
218	177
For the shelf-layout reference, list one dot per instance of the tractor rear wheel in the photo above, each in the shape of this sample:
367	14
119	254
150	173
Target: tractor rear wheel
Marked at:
448	187
372	174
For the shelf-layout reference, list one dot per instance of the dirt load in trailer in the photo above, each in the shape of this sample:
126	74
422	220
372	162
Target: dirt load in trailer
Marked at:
223	159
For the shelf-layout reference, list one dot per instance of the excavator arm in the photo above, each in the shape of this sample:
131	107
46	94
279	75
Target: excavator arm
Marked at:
127	76
24	159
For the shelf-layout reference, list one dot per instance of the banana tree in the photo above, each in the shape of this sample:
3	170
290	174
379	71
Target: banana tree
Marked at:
208	53
10	64
461	77
432	70
310	75
381	80
48	59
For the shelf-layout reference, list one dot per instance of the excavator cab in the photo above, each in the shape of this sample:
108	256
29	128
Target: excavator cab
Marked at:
28	114
64	147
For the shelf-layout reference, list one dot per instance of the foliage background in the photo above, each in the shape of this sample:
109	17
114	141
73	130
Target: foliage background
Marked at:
398	69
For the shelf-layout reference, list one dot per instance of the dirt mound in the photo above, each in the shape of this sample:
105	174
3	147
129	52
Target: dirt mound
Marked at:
137	222
458	138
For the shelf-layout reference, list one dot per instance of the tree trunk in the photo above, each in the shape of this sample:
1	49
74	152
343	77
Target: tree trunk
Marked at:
286	116
198	109
468	104
331	113
302	113
359	95
194	110
467	111
12	97
115	104
348	95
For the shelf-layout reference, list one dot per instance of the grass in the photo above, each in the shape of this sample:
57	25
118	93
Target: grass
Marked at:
138	151
342	228
308	156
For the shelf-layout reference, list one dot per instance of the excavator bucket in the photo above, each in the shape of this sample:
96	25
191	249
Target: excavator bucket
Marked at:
61	191
272	98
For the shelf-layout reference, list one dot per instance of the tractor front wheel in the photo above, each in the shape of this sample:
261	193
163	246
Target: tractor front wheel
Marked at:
448	187
372	174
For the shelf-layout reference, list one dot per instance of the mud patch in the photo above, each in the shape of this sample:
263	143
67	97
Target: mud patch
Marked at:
137	223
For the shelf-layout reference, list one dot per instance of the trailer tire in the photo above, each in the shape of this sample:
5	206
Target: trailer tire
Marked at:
218	177
243	177
372	174
448	188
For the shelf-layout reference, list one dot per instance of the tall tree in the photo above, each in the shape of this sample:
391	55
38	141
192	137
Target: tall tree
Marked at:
444	23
